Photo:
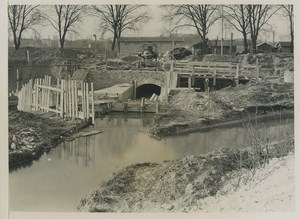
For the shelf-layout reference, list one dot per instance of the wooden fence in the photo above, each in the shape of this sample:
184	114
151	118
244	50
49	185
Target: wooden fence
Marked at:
215	70
68	98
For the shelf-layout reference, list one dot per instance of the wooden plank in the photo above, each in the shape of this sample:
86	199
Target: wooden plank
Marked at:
87	101
49	88
73	99
76	100
57	94
142	104
48	92
93	105
69	98
51	110
61	99
83	106
237	74
215	78
65	98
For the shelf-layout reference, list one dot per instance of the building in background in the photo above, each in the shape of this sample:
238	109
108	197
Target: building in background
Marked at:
133	45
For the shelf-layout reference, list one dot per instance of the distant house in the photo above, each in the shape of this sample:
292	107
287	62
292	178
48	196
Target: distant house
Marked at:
264	48
229	47
132	45
284	47
197	49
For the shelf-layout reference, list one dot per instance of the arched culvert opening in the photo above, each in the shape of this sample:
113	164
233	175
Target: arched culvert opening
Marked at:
147	90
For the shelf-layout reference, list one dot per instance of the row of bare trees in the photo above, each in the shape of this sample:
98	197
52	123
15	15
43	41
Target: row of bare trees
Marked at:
116	19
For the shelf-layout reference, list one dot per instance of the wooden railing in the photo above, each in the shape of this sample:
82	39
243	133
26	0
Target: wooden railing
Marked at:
68	98
215	70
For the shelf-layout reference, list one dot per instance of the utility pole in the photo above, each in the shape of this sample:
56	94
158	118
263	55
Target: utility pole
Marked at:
222	33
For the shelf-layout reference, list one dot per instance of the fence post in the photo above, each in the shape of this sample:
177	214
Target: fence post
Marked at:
57	95
237	74
62	99
76	100
142	104
73	99
257	69
48	94
215	78
87	101
93	106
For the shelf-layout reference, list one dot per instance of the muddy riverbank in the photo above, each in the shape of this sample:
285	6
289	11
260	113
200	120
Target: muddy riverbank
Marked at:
187	184
190	111
30	135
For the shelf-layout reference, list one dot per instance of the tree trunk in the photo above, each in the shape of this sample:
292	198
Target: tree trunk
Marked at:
113	44
62	43
245	41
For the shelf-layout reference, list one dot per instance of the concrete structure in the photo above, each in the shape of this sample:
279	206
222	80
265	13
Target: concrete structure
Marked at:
121	92
132	45
264	48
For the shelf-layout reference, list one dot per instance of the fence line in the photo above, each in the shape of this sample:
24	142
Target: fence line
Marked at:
214	69
68	98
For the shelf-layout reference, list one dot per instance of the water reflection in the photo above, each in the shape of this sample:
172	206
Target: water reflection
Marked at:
80	151
70	171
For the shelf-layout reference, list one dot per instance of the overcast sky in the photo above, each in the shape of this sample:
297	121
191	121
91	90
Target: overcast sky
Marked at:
154	27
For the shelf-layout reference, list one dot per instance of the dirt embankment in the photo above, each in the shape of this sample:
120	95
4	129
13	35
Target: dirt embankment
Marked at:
189	110
191	183
32	134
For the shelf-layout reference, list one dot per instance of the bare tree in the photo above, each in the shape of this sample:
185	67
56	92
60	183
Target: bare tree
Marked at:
236	15
259	15
21	18
64	19
119	18
200	17
288	11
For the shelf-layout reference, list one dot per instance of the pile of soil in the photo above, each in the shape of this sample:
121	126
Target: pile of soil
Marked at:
32	134
190	110
178	185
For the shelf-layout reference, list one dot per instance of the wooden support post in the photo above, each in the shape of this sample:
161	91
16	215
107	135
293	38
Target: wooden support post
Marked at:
142	104
69	98
237	76
215	77
65	98
257	69
206	84
62	98
73	99
83	100
76	100
190	81
57	94
48	94
87	102
93	106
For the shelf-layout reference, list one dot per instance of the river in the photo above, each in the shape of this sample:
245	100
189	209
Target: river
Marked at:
64	175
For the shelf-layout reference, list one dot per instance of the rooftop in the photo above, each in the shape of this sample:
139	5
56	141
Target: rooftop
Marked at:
150	39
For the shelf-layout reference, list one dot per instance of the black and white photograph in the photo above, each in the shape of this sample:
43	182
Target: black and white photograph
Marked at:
149	107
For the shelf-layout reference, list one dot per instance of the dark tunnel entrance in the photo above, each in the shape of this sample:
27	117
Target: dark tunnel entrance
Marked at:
146	90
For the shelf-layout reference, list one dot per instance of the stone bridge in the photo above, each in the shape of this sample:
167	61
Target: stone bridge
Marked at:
146	82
